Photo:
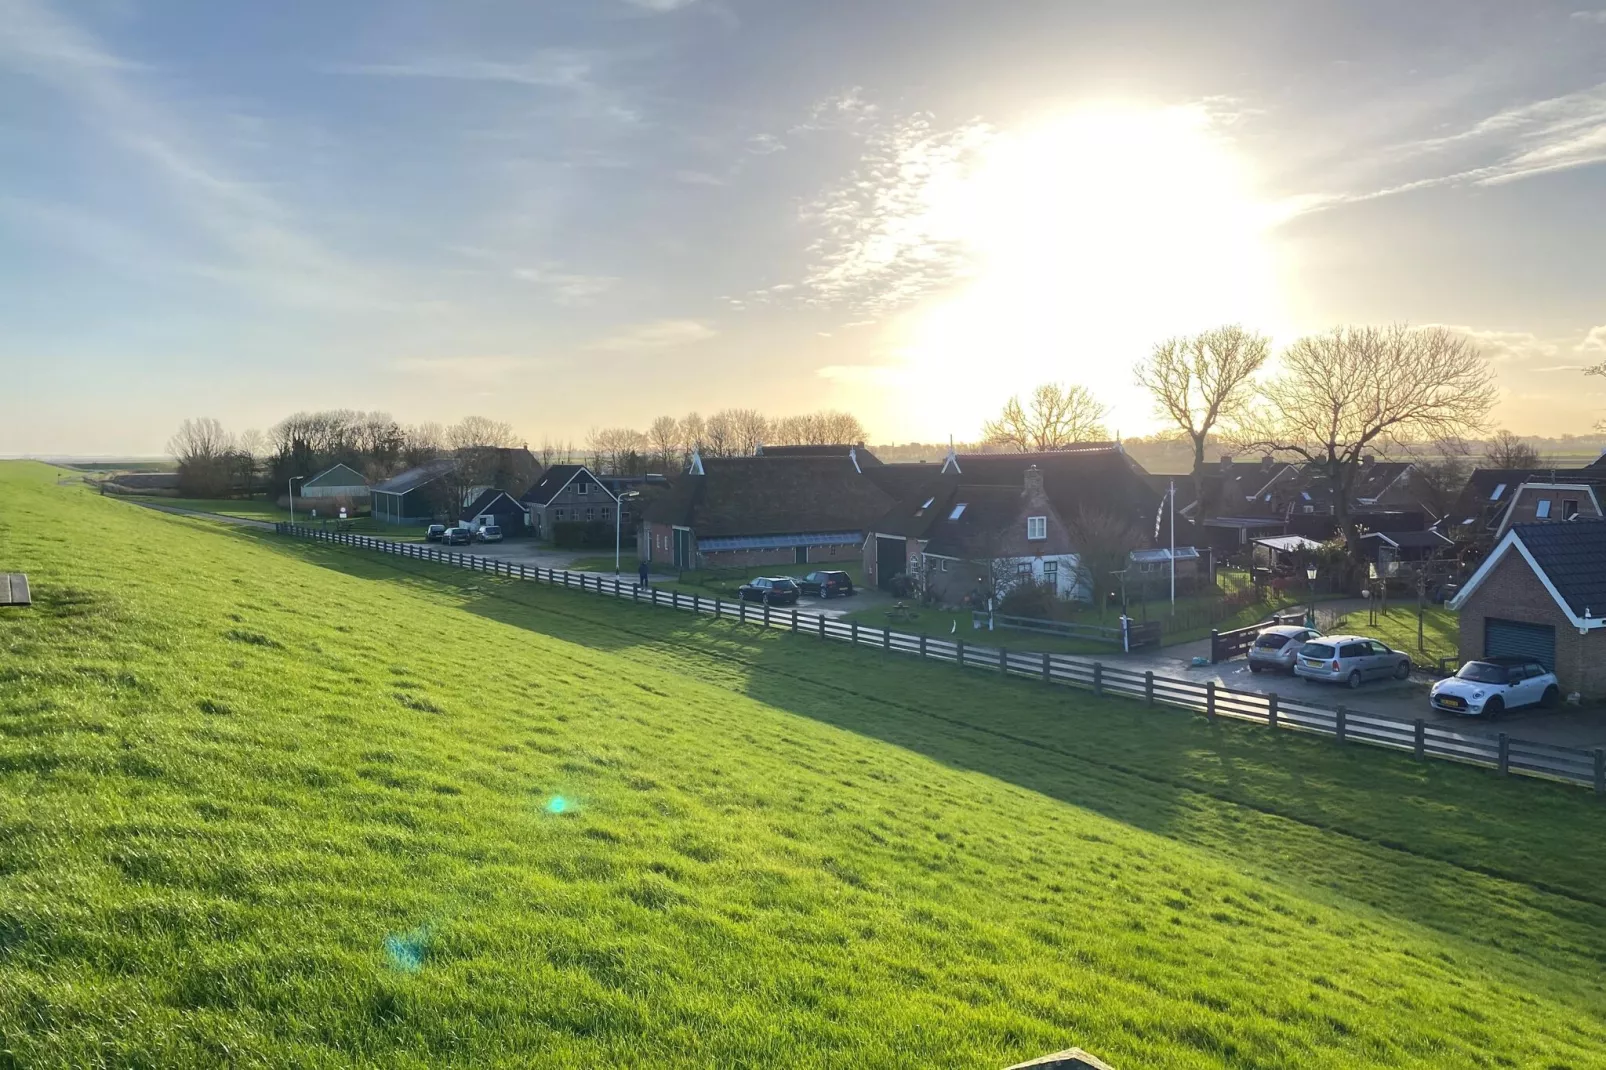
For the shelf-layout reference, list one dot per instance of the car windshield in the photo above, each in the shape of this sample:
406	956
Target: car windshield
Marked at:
1317	650
1482	672
783	583
1272	642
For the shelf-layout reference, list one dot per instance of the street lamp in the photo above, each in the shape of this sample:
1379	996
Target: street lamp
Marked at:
1310	574
618	523
290	484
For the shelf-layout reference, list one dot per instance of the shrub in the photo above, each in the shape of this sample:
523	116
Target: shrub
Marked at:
1029	598
583	535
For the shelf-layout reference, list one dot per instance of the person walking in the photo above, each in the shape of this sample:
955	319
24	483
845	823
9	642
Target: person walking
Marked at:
641	573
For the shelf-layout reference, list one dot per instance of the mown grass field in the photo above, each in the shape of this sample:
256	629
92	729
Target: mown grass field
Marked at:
1441	630
274	803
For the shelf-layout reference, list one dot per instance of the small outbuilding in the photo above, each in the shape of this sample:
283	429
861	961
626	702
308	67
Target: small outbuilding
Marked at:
496	507
341	481
1541	595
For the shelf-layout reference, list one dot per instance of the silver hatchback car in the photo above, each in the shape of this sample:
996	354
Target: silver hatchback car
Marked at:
1275	649
1350	660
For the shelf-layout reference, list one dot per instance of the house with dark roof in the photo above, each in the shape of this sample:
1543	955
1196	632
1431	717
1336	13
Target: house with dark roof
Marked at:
416	496
496	508
1495	499
786	505
958	528
1541	595
574	494
1389	550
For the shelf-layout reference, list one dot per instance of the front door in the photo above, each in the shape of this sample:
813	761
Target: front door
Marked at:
802	557
682	548
889	560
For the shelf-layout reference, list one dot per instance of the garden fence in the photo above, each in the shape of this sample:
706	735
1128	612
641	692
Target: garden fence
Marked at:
1508	756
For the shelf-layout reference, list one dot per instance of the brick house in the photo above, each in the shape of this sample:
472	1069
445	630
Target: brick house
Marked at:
784	505
982	518
1541	594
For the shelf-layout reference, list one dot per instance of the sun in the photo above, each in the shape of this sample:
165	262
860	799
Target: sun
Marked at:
1090	235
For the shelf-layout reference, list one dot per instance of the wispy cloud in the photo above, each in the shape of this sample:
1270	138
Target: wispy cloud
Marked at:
548	68
1597	17
660	334
885	236
567	288
661	6
764	144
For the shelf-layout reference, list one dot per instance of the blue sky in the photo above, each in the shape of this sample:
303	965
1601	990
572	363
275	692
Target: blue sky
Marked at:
577	214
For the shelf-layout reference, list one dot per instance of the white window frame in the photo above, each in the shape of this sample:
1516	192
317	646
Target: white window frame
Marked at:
945	564
582	489
1542	509
1023	568
1036	528
1051	573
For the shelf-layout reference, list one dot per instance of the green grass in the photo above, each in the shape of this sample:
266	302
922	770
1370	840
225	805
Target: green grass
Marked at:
1441	630
628	563
956	624
276	803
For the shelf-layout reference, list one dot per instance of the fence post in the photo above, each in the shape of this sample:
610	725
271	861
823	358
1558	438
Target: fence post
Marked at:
1148	687
1421	739
794	622
820	619
922	646
1339	723
1505	754
652	592
1271	709
674	600
1048	674
1003	661
635	594
855	636
1600	771
1098	678
1215	640
959	649
1210	699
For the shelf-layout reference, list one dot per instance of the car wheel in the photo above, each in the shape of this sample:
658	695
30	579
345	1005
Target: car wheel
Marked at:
1354	680
1552	697
1254	668
1494	708
1403	672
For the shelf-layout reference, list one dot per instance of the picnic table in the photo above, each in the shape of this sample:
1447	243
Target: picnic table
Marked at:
902	613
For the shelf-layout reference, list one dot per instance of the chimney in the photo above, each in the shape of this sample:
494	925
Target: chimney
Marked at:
1034	482
1265	462
1367	460
1226	462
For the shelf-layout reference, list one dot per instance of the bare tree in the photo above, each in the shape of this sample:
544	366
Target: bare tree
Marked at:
1204	381
208	461
1506	450
1103	541
719	436
616	450
1056	417
824	428
1340	396
693	433
738	432
1442	475
663	439
473	431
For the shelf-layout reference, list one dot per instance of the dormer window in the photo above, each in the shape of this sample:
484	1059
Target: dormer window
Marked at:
1499	490
1037	527
582	488
959	511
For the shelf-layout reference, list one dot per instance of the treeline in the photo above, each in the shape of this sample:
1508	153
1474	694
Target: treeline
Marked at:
667	443
216	463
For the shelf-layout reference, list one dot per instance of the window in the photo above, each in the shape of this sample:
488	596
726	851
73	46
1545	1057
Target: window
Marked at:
924	506
588	514
959	511
1037	527
582	489
1569	508
1305	494
557	516
606	515
1051	574
1501	489
914	561
1542	509
1307	509
1023	568
945	564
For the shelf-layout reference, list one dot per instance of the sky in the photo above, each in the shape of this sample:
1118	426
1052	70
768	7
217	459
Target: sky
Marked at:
571	214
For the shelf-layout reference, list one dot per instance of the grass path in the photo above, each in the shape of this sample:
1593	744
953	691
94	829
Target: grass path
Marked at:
273	803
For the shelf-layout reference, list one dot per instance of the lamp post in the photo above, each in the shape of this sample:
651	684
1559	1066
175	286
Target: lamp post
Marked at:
1310	615
290	485
618	523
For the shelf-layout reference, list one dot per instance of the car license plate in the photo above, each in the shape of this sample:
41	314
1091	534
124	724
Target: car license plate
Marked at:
1313	663
1452	702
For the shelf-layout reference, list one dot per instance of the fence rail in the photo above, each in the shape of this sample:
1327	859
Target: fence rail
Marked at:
1506	755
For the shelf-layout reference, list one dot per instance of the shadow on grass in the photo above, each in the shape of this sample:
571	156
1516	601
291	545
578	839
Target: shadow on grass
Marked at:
1505	862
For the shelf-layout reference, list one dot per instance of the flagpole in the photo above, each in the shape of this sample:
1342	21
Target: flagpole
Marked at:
1173	547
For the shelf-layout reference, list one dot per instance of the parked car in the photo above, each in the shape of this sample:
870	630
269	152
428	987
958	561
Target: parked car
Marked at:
434	532
1275	648
457	536
826	584
1350	660
771	590
1490	686
490	533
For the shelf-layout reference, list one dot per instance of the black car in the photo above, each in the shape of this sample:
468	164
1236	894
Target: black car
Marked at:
457	536
434	532
826	584
771	590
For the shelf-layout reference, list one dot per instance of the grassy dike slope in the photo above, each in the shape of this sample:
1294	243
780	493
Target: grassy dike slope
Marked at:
273	803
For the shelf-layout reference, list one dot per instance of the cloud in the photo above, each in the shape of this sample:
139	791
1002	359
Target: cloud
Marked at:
1594	342
660	334
764	144
1598	17
661	6
567	288
847	110
548	69
698	178
886	237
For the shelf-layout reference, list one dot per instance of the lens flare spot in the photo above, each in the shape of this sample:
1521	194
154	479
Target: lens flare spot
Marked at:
406	950
557	805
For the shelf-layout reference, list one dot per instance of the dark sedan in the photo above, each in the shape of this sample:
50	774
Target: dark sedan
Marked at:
826	584
771	590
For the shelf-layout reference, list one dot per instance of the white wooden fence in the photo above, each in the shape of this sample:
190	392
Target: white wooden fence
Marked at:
1507	755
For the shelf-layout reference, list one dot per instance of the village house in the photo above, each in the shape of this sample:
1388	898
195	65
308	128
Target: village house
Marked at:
784	505
1540	595
570	494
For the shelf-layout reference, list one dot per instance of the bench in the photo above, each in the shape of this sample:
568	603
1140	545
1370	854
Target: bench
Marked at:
14	589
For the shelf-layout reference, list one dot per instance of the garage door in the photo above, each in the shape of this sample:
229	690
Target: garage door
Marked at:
889	560
1519	639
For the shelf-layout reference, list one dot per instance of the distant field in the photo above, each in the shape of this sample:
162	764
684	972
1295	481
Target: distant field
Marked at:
275	803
